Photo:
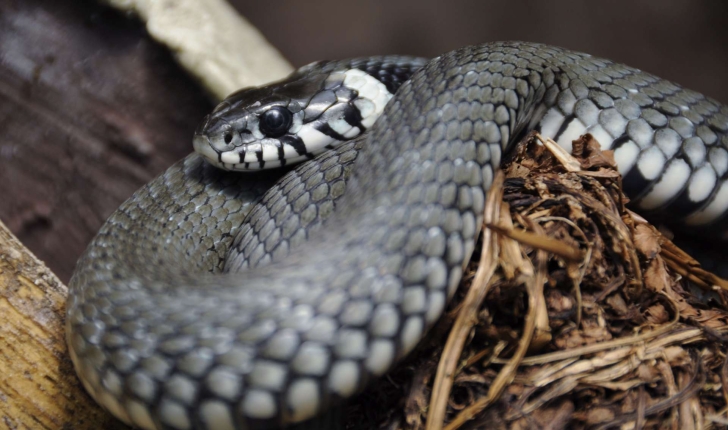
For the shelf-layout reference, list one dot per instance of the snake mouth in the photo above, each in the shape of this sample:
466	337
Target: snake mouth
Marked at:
234	160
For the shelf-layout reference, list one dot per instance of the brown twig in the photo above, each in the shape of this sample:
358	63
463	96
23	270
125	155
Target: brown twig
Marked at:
543	243
534	286
467	316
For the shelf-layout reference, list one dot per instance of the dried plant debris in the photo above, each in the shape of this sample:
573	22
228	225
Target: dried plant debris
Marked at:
575	313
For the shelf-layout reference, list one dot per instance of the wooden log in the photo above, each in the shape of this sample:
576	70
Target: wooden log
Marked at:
90	109
212	41
38	386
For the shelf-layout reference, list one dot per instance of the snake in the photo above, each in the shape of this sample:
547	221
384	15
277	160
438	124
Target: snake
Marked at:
241	290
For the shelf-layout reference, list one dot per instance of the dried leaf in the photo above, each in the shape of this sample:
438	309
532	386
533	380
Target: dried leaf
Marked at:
656	277
647	240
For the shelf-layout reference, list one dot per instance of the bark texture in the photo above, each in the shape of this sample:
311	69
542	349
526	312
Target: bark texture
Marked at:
91	108
38	386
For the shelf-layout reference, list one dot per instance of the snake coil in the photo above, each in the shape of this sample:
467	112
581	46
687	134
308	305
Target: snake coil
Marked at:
201	304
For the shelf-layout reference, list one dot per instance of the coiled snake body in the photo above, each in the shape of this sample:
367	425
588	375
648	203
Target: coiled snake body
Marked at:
304	316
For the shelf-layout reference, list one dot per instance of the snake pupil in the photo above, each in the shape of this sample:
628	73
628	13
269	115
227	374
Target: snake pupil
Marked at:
276	121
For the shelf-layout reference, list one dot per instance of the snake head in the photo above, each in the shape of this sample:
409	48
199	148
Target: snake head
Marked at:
249	130
314	109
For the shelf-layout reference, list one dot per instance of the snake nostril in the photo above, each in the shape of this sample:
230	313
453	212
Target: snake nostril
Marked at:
228	137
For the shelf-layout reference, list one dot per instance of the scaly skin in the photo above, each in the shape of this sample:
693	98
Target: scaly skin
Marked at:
317	313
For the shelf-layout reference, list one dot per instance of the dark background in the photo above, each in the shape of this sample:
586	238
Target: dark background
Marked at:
680	40
91	108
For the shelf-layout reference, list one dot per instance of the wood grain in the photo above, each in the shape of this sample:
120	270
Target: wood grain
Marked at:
38	386
90	109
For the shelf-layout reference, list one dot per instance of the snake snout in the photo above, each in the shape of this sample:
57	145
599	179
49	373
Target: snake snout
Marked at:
201	144
222	145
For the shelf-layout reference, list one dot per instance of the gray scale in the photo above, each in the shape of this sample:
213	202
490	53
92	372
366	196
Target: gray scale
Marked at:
222	300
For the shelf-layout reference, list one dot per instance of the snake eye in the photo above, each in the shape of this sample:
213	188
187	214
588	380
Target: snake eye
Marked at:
276	121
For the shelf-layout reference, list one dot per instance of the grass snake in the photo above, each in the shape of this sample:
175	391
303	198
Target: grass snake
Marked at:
213	299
